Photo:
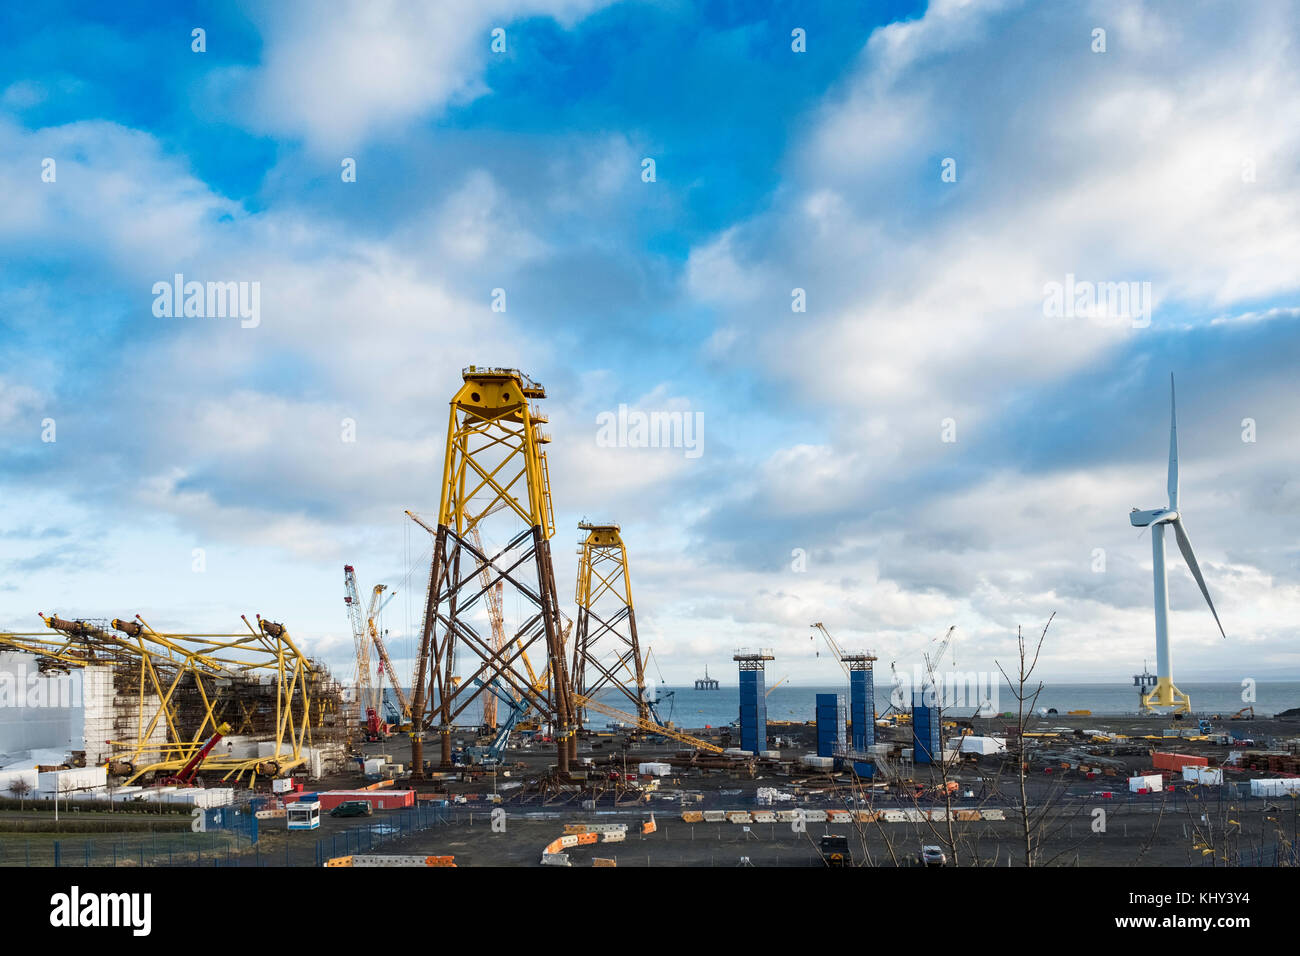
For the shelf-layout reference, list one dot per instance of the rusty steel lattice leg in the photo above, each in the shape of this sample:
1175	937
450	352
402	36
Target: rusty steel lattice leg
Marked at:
494	478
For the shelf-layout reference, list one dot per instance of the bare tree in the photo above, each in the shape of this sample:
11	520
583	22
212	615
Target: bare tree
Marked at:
20	788
1020	690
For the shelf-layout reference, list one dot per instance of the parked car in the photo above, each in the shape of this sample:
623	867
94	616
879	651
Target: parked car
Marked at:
933	856
353	808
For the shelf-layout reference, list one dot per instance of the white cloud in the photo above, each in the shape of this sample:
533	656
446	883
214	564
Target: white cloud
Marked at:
369	67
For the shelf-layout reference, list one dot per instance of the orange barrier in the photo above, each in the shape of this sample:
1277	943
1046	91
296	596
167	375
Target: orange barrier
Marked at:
602	861
585	839
339	861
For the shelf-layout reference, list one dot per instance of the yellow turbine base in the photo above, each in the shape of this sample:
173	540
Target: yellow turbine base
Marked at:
1165	694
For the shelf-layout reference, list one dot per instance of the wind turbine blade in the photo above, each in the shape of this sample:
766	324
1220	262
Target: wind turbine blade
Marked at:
1185	546
1173	448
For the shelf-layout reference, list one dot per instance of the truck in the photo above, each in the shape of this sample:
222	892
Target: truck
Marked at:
835	851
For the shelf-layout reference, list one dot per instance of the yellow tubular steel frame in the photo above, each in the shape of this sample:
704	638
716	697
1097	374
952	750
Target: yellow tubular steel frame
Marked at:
607	620
494	461
161	662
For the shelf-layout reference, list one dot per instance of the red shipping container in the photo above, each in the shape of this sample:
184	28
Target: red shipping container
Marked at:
379	799
1176	762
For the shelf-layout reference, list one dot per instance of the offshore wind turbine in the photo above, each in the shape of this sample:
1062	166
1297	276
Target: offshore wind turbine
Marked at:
1165	694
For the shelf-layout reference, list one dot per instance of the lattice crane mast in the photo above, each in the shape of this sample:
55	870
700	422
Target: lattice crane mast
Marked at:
361	646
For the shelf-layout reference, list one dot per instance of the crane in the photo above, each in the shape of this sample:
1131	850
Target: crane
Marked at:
492	754
367	702
768	692
933	662
383	651
364	633
648	726
835	648
186	773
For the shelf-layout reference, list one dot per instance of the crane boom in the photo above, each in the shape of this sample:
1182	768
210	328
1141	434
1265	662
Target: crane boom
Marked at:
402	700
835	648
647	725
496	616
932	662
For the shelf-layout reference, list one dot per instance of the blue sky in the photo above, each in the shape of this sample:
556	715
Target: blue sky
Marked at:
1169	158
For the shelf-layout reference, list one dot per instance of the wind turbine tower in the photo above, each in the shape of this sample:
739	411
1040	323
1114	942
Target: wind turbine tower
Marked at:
1165	694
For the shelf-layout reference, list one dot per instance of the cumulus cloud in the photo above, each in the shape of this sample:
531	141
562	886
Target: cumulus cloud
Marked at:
370	68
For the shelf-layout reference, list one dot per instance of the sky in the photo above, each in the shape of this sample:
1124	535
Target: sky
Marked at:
841	266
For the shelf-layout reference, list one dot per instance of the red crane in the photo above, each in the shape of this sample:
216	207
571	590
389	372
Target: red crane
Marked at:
191	768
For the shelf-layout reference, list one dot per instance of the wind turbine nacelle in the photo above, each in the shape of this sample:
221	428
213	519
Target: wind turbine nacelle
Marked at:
1141	519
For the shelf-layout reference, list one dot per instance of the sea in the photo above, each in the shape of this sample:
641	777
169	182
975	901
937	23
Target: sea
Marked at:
691	708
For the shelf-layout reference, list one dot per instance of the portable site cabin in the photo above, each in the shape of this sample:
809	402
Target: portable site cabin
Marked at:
303	815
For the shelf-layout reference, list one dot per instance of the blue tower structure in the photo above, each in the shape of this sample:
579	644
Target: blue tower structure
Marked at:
926	747
830	725
862	700
753	698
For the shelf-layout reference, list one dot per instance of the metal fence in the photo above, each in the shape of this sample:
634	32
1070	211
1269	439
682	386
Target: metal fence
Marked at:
129	849
241	846
392	826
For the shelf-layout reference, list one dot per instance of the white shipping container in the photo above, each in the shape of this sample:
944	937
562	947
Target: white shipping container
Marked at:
1208	776
65	781
984	746
1262	787
1152	782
